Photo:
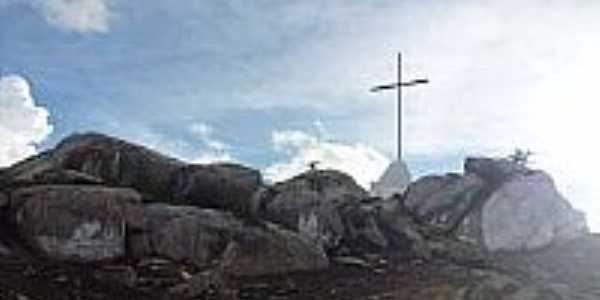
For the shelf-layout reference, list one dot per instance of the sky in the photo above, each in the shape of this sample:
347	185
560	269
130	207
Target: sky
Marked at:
277	84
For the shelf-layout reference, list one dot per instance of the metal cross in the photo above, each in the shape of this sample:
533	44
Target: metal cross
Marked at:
398	86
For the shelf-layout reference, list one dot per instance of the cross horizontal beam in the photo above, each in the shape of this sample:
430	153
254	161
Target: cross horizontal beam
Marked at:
396	85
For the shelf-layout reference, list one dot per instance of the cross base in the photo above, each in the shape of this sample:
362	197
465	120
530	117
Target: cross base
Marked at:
394	180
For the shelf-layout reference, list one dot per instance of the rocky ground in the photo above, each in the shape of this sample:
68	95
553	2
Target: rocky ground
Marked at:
100	218
565	272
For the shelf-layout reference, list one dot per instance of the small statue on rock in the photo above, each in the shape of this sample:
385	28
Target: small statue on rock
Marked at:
520	157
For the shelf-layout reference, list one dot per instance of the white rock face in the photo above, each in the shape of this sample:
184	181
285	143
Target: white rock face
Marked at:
528	213
75	222
89	241
394	180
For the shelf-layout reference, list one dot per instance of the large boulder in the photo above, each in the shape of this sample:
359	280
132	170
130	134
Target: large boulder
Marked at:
53	176
493	170
118	163
527	213
498	204
222	186
271	250
77	223
209	238
93	158
443	201
572	266
405	236
24	171
326	206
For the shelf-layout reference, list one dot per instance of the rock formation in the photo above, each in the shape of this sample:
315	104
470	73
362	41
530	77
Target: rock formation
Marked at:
527	212
325	206
146	222
74	222
497	204
206	236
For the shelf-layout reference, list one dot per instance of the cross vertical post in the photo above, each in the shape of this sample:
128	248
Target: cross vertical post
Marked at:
398	85
399	107
396	177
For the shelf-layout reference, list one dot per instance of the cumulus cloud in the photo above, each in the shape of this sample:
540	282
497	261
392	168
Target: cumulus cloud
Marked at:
215	150
23	124
76	15
213	157
362	162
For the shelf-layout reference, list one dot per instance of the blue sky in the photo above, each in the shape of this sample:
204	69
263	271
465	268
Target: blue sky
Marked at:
274	84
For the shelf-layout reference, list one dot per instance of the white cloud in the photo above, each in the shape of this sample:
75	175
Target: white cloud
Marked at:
209	157
362	162
23	124
76	15
215	149
205	133
202	148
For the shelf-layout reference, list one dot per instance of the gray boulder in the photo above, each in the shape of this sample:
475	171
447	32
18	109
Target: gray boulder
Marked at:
26	170
118	163
76	223
271	250
571	267
209	238
93	158
325	206
53	176
528	213
404	234
443	201
62	177
492	170
221	186
498	204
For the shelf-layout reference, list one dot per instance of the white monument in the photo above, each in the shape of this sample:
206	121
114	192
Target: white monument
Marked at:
394	180
397	177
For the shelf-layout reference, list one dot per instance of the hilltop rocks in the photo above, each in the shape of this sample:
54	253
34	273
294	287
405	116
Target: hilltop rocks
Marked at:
494	171
193	230
324	206
527	213
61	176
95	197
82	223
271	250
572	267
221	186
93	158
521	208
24	171
443	201
53	176
117	162
498	204
181	233
207	237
